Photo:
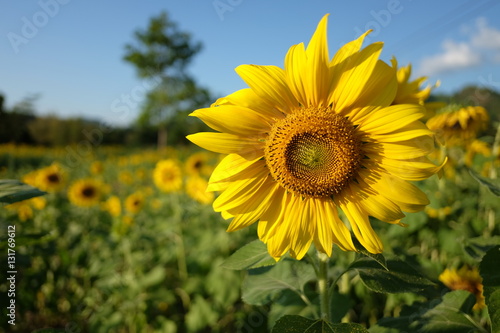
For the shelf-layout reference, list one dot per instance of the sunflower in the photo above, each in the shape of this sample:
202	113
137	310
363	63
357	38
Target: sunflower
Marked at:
113	206
410	92
457	125
22	208
96	168
167	176
86	192
476	147
134	202
317	136
50	179
196	188
197	164
465	278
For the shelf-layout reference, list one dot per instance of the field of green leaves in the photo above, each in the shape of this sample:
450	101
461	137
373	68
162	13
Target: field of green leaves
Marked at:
127	241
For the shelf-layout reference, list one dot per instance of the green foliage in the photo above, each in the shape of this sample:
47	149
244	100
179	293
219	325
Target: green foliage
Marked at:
12	191
491	282
252	255
488	183
297	324
451	313
263	284
398	277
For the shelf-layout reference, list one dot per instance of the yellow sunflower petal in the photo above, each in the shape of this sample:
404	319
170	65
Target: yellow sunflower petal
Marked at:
230	168
331	228
352	83
294	69
360	225
409	197
316	78
251	210
269	83
412	169
238	191
391	118
228	144
249	99
420	146
378	206
235	120
268	222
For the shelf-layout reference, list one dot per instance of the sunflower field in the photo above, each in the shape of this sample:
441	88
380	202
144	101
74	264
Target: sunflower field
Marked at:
299	229
127	241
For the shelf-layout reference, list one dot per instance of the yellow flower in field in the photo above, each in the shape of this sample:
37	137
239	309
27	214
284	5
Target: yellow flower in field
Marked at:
196	188
465	278
167	176
134	202
113	206
96	167
197	164
38	202
23	210
474	148
126	177
50	179
410	92
317	136
456	126
86	192
30	178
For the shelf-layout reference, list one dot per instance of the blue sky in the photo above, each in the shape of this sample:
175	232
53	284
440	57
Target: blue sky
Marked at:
70	51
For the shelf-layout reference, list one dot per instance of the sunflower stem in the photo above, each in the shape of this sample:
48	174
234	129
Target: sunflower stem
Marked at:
323	286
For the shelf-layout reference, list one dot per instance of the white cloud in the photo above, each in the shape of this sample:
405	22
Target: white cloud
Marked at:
485	37
483	44
454	56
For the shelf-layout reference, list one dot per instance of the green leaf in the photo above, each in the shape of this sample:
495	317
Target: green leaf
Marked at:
263	284
12	190
348	328
298	324
200	315
493	187
252	255
292	324
340	304
399	278
377	257
478	246
491	285
450	314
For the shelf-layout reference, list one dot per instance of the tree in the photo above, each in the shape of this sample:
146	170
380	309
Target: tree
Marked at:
162	53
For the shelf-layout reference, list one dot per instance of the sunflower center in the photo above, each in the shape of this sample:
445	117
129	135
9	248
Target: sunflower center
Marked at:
88	192
314	152
53	178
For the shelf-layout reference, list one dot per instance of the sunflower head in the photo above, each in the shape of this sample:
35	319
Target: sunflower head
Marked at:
456	125
167	176
113	206
134	202
465	278
86	192
198	164
318	136
196	188
50	179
